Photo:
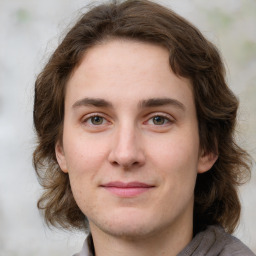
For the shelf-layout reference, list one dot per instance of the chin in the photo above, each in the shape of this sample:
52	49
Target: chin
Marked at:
128	231
129	226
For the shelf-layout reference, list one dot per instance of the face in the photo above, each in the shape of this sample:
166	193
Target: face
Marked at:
130	140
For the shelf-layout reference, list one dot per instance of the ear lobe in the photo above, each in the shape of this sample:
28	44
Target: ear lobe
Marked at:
60	156
206	161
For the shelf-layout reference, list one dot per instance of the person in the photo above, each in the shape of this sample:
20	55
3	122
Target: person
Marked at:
135	126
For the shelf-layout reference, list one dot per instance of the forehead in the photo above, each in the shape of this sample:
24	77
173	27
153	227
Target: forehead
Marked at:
123	55
129	70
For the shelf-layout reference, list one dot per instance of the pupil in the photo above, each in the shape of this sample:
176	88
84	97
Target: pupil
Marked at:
97	120
158	120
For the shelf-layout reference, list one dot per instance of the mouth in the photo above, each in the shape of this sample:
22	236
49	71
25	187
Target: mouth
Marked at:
131	189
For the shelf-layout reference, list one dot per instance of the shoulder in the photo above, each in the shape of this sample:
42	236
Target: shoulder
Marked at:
231	245
214	241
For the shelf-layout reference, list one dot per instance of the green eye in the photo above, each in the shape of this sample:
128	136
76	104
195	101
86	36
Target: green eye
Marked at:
97	120
159	120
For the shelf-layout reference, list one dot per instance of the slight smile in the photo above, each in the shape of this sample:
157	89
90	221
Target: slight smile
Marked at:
130	189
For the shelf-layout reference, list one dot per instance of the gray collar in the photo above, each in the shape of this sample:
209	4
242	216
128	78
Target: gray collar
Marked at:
210	242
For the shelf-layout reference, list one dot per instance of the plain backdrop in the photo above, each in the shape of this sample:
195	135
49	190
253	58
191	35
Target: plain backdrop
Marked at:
29	32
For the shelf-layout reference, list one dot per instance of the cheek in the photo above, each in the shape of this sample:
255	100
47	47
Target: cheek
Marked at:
176	158
84	154
84	161
175	151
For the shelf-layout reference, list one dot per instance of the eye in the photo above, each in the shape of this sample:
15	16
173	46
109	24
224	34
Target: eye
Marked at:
95	120
159	120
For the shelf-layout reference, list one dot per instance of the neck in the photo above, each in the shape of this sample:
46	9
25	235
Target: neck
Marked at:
164	242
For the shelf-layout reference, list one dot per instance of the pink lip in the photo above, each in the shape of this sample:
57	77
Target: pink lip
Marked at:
130	189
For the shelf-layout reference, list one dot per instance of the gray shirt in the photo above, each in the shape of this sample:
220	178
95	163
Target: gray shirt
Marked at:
213	241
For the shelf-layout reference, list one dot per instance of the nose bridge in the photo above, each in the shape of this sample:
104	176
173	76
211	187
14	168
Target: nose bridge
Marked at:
127	149
126	139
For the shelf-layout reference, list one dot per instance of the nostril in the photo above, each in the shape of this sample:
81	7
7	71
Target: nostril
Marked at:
126	153
115	163
126	165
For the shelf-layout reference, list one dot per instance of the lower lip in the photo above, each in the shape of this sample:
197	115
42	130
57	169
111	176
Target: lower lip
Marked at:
127	192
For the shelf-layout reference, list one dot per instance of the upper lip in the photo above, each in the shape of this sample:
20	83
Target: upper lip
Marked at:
120	184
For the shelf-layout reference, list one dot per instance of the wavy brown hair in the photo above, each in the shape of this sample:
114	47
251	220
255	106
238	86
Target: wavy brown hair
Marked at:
191	56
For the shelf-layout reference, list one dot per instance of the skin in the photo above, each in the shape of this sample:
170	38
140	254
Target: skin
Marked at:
129	118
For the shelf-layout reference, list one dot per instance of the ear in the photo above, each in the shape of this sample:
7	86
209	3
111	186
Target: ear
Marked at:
206	161
60	156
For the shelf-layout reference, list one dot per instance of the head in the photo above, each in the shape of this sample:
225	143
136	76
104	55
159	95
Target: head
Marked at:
191	57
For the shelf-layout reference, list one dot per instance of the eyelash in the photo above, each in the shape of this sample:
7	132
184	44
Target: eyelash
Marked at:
166	118
89	118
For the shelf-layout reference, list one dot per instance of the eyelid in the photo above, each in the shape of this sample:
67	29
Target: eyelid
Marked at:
86	117
170	119
161	114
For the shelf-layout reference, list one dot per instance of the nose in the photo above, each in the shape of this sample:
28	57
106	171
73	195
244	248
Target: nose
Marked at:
127	149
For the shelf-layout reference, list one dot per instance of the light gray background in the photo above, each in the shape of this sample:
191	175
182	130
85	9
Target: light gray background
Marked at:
29	31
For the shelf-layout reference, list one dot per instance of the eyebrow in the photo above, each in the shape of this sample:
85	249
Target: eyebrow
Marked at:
156	102
96	102
149	103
